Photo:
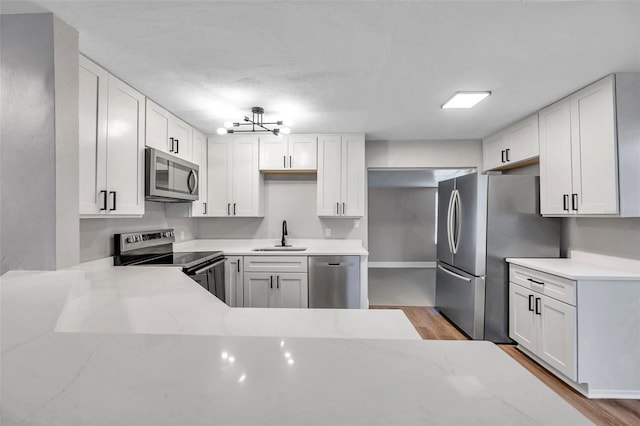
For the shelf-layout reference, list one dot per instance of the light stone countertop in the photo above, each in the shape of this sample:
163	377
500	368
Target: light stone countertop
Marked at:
245	247
113	367
584	266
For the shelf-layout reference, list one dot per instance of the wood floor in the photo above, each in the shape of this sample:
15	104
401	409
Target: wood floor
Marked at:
432	326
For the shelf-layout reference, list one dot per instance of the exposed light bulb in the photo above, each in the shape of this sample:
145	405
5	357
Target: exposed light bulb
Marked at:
228	124
285	130
221	131
287	123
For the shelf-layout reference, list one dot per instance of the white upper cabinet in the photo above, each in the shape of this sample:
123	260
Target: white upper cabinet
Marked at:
199	207
288	153
590	149
515	145
167	132
555	158
235	185
94	86
341	175
125	148
303	152
112	138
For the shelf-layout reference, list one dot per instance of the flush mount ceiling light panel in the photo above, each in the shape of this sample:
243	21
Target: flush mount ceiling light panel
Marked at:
255	125
465	99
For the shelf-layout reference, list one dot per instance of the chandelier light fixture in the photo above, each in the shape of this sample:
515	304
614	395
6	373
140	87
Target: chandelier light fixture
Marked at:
255	125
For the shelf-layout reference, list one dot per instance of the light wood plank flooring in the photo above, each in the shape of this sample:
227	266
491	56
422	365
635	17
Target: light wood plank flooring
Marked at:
433	326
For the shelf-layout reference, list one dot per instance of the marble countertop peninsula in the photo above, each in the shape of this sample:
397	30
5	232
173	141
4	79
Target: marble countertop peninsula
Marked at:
76	352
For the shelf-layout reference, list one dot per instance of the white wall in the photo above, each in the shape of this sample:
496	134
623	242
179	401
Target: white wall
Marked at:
430	153
39	150
287	197
96	235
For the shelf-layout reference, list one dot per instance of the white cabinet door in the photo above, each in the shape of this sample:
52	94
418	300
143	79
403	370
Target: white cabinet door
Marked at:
199	207
594	149
157	127
522	326
555	158
329	179
234	281
94	86
292	290
522	140
125	148
181	134
219	178
273	152
303	152
493	148
258	290
353	175
557	334
247	180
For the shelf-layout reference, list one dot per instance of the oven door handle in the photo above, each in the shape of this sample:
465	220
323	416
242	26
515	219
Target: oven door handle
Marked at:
213	265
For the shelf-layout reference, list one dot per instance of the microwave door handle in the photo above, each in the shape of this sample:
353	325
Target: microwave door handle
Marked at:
192	175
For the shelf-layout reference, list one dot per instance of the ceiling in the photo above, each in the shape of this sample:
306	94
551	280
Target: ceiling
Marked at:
377	67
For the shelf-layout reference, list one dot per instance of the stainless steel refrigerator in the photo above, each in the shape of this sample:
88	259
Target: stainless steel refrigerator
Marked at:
483	219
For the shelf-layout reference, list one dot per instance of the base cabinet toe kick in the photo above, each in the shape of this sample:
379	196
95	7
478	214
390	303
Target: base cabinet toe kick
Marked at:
586	331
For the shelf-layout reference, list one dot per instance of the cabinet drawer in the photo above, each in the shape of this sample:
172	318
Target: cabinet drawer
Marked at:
553	286
275	263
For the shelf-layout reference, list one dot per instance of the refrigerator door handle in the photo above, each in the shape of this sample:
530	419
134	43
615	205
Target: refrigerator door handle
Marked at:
457	208
454	274
449	216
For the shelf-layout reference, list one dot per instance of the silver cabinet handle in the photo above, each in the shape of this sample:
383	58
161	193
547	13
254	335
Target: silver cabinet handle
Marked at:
506	152
337	208
574	202
344	207
177	146
271	281
284	161
228	209
234	209
171	144
454	274
290	161
205	208
538	311
278	281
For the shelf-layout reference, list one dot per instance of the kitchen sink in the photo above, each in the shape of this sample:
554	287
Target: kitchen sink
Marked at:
280	248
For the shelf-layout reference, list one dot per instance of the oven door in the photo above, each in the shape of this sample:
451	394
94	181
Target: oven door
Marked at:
169	178
213	275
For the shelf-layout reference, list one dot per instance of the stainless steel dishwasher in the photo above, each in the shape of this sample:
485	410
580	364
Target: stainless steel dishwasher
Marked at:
334	281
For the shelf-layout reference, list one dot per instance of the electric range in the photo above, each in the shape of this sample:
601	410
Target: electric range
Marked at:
155	248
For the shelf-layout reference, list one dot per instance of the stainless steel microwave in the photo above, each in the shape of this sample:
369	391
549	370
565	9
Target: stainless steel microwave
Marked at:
169	178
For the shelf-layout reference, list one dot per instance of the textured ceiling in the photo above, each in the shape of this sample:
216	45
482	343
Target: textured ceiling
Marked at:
382	68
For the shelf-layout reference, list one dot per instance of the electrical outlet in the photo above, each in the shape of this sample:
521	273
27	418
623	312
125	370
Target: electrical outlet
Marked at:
181	235
356	223
327	232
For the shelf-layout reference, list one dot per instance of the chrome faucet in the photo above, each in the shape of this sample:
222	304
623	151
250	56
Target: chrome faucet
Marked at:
283	243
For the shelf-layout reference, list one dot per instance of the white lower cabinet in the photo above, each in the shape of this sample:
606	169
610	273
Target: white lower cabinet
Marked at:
234	281
275	282
544	326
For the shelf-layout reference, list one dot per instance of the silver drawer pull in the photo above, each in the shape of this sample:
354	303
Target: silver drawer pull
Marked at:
454	274
534	281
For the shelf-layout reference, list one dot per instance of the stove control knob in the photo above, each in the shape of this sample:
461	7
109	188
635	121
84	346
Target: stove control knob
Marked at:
129	239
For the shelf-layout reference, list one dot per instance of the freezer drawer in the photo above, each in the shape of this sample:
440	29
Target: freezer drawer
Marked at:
334	282
460	297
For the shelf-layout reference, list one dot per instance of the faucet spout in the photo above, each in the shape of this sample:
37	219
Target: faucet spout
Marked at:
283	243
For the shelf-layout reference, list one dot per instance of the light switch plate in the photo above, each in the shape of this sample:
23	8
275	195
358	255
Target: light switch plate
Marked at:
327	232
181	235
356	223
